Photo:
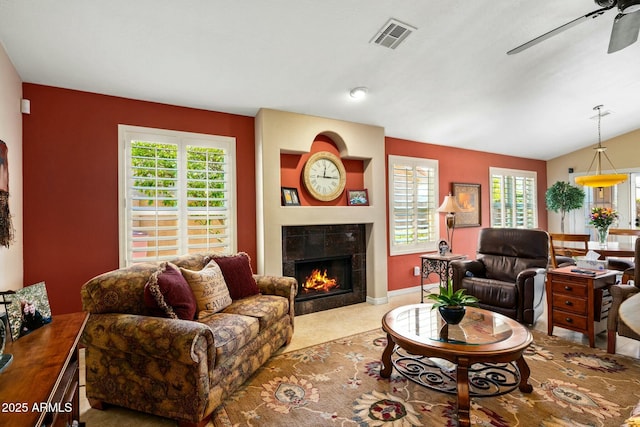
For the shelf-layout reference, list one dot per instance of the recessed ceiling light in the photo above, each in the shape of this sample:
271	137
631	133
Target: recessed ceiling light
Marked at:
358	92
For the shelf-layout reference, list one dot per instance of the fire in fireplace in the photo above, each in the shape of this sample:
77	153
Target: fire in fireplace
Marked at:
319	282
319	277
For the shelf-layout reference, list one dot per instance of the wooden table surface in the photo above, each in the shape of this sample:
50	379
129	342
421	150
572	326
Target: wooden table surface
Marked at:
38	362
613	249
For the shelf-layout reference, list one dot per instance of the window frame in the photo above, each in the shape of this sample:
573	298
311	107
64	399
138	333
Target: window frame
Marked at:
128	133
515	173
416	246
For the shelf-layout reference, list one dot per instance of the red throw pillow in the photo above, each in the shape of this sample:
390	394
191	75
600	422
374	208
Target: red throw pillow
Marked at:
168	294
238	275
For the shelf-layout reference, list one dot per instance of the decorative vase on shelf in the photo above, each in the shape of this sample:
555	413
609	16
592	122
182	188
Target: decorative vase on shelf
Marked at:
452	315
603	234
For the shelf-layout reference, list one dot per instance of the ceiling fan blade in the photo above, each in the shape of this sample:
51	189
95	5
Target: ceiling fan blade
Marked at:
590	15
625	31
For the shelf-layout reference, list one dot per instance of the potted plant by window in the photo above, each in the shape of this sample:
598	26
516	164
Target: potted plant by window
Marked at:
451	304
564	197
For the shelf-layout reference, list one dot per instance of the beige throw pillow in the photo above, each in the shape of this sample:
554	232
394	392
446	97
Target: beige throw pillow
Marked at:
209	288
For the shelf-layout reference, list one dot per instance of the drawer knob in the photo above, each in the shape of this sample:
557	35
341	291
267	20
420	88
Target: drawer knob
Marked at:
568	303
567	288
569	320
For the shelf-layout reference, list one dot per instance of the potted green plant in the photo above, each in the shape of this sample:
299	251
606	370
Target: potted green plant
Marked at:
564	197
451	304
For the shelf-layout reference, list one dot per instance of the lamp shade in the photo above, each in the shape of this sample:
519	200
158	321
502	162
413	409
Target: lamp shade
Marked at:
601	180
449	204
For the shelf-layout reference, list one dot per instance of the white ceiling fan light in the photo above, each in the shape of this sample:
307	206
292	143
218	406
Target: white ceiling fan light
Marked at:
359	93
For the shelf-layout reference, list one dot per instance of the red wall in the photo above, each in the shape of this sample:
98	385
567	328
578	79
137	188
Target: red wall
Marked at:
71	181
466	166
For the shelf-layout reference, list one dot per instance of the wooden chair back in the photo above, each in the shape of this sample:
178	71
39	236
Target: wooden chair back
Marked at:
624	232
567	245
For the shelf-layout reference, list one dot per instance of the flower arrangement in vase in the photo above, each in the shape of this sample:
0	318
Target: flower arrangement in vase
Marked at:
451	304
601	218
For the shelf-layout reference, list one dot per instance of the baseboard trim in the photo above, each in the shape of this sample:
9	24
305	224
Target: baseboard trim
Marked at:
400	292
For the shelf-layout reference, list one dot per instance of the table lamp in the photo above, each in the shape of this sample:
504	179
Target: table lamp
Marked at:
450	207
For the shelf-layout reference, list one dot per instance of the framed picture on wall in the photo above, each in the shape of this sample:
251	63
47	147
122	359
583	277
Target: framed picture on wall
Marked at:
290	196
468	197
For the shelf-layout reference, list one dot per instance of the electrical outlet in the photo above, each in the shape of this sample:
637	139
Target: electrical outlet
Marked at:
416	271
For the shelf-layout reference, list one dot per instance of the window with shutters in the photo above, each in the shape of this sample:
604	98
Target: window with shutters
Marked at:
178	193
514	201
413	198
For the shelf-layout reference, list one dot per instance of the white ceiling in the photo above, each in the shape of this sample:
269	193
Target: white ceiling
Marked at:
450	82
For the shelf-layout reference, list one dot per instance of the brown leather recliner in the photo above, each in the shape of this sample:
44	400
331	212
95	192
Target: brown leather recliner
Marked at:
508	274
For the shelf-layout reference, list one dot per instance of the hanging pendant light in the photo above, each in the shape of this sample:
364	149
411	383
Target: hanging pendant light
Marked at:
600	180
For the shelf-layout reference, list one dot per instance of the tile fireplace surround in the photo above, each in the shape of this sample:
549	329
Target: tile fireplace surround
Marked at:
322	241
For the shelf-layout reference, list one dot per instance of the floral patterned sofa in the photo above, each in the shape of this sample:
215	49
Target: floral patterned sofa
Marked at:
171	367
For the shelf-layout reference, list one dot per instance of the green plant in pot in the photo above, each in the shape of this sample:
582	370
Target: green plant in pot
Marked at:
563	197
451	304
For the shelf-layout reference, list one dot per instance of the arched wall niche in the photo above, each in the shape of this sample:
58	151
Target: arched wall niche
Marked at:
280	132
337	140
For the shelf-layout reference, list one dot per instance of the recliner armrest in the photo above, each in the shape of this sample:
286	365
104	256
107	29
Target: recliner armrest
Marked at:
530	272
461	268
185	341
619	294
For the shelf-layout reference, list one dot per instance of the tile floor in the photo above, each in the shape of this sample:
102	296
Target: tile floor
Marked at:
324	326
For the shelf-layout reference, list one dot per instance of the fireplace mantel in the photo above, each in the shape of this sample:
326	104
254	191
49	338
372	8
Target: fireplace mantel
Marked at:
280	132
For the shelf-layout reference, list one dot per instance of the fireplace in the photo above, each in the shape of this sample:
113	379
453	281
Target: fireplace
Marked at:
340	251
320	277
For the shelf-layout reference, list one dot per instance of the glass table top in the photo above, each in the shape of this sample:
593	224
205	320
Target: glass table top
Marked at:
420	323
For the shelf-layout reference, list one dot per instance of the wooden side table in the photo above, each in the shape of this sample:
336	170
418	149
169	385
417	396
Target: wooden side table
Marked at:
40	387
433	262
574	300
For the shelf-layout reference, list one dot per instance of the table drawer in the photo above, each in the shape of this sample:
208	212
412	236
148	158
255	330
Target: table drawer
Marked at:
574	289
570	320
570	303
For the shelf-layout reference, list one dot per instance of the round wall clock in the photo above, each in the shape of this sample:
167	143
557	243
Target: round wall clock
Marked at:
324	176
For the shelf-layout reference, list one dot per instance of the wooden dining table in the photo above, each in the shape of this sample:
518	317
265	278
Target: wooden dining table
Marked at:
613	249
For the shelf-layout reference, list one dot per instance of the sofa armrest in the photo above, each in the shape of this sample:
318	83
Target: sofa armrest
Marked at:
277	285
619	294
283	286
185	341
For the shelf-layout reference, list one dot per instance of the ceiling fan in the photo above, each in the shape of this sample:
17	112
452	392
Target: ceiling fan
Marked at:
626	25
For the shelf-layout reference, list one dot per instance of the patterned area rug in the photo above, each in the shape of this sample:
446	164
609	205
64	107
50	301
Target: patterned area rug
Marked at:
338	384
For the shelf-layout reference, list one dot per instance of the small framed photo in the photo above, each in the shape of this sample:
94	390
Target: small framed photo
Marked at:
357	198
290	196
29	310
443	247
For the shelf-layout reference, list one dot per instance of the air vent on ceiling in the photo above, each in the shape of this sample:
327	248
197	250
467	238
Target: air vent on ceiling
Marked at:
392	33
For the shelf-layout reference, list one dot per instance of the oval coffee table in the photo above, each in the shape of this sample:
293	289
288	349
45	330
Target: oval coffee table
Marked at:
481	356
